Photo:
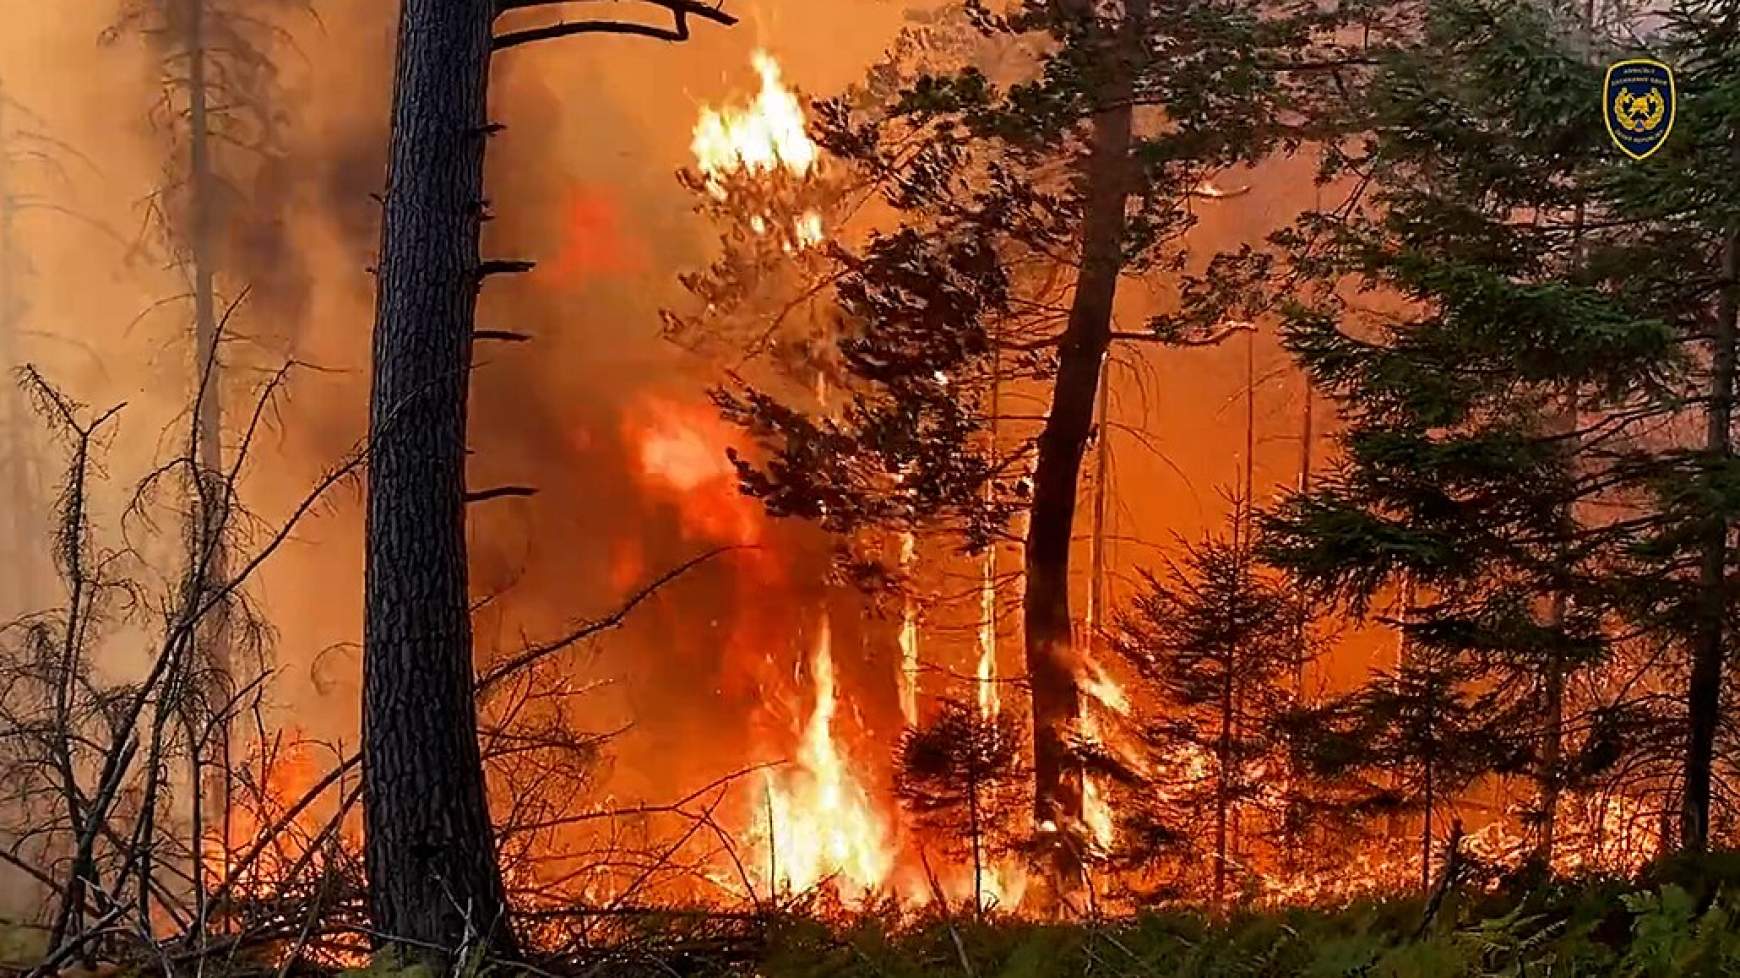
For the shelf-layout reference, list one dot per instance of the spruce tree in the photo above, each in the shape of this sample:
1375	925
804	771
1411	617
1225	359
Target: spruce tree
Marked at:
1496	383
960	774
1216	640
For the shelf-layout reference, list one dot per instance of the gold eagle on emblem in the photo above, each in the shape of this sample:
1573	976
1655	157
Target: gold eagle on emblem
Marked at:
1639	113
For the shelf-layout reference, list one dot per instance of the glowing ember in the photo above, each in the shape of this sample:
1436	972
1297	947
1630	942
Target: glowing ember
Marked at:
820	822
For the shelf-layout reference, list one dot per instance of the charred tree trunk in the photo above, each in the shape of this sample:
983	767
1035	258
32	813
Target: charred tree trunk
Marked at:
1704	687
430	856
1051	660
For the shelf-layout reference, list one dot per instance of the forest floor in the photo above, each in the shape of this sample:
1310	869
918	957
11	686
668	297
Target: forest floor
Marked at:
1681	919
1678	919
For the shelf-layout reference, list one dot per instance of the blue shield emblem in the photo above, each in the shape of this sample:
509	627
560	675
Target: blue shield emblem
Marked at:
1639	103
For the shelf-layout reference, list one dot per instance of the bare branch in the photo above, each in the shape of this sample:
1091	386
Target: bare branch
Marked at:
537	653
500	492
680	10
501	335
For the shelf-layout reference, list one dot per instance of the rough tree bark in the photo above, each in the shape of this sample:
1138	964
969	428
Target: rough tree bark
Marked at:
434	884
1051	658
429	853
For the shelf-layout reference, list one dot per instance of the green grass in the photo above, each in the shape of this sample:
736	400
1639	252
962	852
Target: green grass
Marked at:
1679	920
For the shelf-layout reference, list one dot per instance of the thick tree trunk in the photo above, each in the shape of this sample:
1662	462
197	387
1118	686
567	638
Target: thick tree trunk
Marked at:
1704	690
1051	659
431	862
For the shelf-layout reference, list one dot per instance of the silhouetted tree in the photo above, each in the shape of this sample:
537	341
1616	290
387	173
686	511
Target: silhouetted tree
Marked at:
1216	640
1518	441
960	774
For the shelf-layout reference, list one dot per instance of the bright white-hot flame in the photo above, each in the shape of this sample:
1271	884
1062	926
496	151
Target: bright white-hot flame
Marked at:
765	135
1105	692
1103	689
1096	812
809	229
990	703
908	636
821	823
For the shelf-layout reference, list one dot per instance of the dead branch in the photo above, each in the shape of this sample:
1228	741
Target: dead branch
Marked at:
500	492
501	336
680	11
536	653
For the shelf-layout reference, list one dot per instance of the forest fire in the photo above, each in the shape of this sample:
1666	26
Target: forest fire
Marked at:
798	511
821	824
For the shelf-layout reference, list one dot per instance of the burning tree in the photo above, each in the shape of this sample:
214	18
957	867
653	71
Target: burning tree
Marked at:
1014	192
435	887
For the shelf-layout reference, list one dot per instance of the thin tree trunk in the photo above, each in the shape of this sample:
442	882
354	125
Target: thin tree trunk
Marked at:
1704	689
990	700
1306	445
1102	472
1429	777
430	857
1222	796
974	827
1051	659
205	552
20	596
1550	777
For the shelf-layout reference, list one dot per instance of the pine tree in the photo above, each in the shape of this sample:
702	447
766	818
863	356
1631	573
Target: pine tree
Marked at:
434	884
1018	197
960	774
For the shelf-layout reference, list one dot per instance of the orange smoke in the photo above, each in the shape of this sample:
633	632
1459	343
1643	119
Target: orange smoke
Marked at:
679	457
594	243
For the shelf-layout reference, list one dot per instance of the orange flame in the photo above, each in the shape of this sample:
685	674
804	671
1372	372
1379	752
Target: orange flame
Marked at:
767	136
820	822
680	452
1103	692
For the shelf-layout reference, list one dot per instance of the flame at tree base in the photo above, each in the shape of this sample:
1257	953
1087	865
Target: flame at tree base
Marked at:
819	823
